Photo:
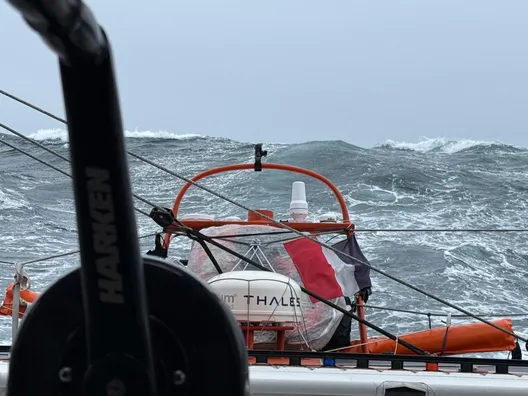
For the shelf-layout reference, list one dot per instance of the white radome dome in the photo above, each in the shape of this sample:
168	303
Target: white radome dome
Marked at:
259	296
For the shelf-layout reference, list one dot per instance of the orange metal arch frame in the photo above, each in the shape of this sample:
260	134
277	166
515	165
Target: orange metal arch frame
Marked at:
198	224
288	168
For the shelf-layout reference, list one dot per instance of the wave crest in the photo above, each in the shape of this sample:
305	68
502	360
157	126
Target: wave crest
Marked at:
62	135
441	145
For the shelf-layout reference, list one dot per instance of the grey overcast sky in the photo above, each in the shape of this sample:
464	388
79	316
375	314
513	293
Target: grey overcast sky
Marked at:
297	70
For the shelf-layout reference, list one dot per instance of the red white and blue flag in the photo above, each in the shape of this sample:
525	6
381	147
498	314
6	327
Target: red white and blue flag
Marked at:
330	274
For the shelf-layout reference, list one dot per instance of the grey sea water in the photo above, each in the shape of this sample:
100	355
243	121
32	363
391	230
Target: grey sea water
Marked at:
430	184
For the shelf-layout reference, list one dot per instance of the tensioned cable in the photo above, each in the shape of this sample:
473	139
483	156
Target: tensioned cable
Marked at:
17	99
377	270
197	235
440	229
283	225
33	141
70	253
443	314
48	164
140	158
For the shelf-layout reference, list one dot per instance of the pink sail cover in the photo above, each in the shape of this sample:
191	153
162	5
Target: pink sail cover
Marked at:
319	321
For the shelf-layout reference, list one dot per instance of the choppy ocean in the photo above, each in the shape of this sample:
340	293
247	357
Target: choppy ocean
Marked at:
430	184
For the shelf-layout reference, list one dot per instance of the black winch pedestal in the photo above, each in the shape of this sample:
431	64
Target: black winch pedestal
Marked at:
120	325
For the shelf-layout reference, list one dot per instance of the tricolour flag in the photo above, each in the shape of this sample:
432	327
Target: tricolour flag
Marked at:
330	274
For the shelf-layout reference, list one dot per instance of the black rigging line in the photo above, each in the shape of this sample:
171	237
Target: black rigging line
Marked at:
440	229
466	313
284	226
32	141
200	236
70	253
50	165
443	314
377	270
33	157
17	99
159	167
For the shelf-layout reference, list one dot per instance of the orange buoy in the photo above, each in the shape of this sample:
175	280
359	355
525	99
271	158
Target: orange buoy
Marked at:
460	339
26	296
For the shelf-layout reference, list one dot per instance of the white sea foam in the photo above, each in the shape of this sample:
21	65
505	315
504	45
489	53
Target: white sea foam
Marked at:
440	144
62	135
